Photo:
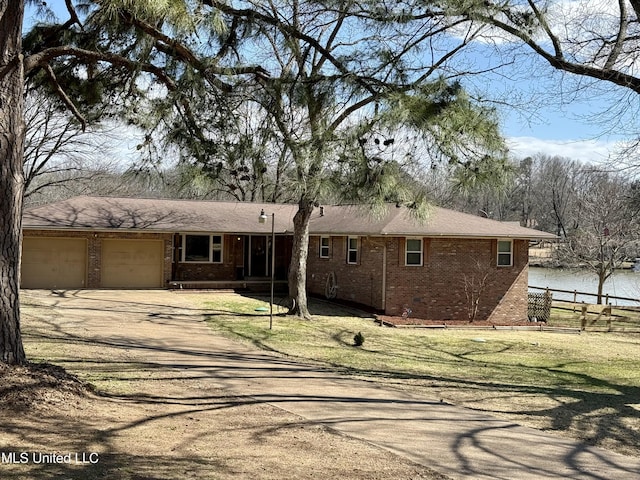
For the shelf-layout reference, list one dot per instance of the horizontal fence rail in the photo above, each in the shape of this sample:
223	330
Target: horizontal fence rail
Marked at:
607	298
582	315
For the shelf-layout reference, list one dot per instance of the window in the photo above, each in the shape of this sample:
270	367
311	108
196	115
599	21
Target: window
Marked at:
324	247
505	253
413	252
216	248
352	250
202	248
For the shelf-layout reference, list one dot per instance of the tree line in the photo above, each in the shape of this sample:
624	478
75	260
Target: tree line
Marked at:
289	98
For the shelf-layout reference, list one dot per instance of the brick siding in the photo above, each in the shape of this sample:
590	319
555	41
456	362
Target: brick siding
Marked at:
231	268
361	282
436	290
232	262
379	279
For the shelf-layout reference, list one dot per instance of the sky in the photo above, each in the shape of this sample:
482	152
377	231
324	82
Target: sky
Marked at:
562	114
548	124
562	130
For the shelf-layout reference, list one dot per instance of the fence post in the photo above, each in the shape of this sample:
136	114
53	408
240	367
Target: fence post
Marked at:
575	300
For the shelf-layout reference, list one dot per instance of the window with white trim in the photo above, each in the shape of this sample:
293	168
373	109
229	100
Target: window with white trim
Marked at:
352	250
324	247
505	253
202	248
413	252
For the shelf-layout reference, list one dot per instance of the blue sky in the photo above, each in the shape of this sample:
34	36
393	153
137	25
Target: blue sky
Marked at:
546	111
547	124
564	130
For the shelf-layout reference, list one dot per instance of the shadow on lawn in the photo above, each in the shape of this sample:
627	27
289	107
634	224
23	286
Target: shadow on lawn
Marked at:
574	407
121	466
596	410
181	406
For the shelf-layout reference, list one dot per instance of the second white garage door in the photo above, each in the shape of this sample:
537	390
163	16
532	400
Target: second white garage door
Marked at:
132	263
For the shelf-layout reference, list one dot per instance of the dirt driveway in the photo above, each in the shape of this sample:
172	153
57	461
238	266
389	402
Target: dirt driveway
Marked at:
176	401
162	411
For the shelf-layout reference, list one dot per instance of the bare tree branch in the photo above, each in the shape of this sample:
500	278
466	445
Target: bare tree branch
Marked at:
64	97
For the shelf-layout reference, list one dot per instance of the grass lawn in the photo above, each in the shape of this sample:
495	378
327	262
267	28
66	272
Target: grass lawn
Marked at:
623	319
586	386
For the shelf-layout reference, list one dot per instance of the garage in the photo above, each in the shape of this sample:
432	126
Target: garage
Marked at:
132	263
49	262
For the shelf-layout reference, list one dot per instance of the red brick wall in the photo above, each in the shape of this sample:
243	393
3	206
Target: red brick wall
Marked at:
513	306
455	269
232	266
435	290
173	269
361	283
232	254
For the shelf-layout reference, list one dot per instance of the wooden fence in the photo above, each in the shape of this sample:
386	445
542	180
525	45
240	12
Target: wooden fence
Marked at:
588	315
607	298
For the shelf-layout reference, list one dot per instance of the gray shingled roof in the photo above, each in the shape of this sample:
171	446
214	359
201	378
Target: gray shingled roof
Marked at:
106	213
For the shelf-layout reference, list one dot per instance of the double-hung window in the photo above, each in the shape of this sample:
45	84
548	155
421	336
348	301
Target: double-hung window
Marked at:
202	248
413	252
352	250
324	247
505	253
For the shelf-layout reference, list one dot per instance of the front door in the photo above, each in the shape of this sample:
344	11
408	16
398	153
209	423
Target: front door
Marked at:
259	256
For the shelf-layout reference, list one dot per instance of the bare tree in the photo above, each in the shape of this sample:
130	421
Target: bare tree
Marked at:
557	182
583	38
607	225
475	284
58	150
242	157
596	43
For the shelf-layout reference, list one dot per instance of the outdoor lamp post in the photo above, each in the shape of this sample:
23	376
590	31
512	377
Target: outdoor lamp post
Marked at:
263	219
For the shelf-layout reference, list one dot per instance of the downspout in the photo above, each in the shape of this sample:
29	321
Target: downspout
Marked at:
384	277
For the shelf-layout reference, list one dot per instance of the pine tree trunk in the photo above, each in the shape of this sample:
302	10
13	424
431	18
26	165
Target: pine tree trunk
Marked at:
300	251
11	178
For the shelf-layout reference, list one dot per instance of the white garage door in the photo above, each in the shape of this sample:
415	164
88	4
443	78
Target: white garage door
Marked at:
54	262
132	263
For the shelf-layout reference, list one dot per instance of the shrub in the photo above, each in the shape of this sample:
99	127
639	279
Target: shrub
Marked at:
358	339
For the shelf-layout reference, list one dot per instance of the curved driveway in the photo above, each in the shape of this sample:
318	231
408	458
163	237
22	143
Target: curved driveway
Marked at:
454	441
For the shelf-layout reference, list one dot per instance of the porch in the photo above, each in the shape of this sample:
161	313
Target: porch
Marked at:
231	261
253	285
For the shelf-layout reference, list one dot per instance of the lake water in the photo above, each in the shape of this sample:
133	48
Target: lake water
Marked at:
623	283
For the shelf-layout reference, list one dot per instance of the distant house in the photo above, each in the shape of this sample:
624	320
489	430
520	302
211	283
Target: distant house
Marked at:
444	268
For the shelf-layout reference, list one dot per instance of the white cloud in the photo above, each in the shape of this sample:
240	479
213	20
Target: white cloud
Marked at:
590	151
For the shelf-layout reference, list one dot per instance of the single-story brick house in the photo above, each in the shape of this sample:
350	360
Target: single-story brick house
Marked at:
438	269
